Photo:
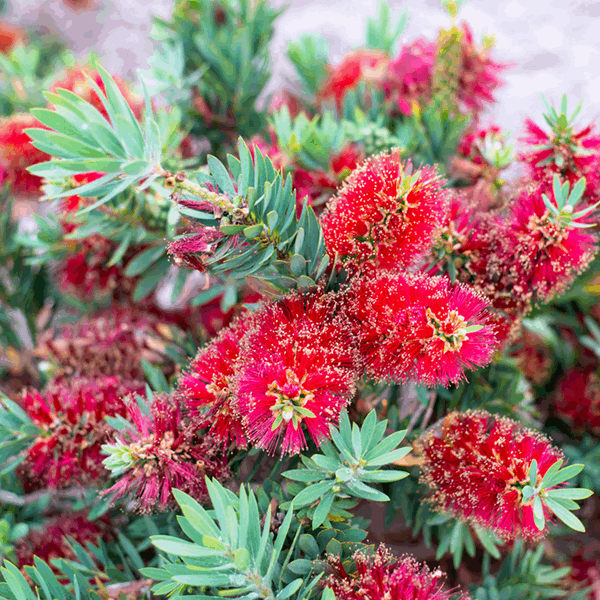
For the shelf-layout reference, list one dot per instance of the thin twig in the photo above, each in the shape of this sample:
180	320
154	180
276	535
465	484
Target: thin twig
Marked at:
7	497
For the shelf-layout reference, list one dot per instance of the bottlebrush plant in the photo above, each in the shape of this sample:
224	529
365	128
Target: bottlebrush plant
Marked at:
215	366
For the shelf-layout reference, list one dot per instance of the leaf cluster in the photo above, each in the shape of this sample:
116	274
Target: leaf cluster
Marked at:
231	550
345	468
522	576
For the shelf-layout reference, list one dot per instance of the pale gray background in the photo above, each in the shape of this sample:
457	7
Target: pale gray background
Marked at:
555	43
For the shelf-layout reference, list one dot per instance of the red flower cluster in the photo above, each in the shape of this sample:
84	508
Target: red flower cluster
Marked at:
85	272
10	36
419	327
298	366
70	415
385	215
478	77
410	75
577	399
207	389
72	204
165	454
476	465
50	541
356	66
383	575
17	152
76	80
570	154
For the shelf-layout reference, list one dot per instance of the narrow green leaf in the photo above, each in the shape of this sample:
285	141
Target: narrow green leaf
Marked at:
220	175
566	516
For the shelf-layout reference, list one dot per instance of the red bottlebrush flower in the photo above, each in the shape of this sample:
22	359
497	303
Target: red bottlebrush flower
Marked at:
383	575
85	273
163	454
50	541
420	327
577	399
193	249
17	152
72	204
478	77
10	36
410	75
476	467
356	66
385	215
207	389
568	153
70	415
545	253
112	342
297	367
75	81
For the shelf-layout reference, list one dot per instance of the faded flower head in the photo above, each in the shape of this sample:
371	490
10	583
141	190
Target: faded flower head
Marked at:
386	214
419	327
207	387
50	541
476	466
111	342
70	417
382	575
297	369
159	454
193	249
10	36
577	399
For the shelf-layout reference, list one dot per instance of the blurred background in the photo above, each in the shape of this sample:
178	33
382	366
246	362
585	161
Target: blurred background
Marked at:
554	45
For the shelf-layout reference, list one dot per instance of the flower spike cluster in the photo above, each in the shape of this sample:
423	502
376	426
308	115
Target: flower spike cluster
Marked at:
477	466
384	575
159	454
207	387
419	327
71	415
386	214
298	369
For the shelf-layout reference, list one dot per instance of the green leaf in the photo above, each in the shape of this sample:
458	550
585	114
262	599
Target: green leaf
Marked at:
220	175
241	559
145	259
570	493
322	509
312	493
290	589
566	516
253	230
533	471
